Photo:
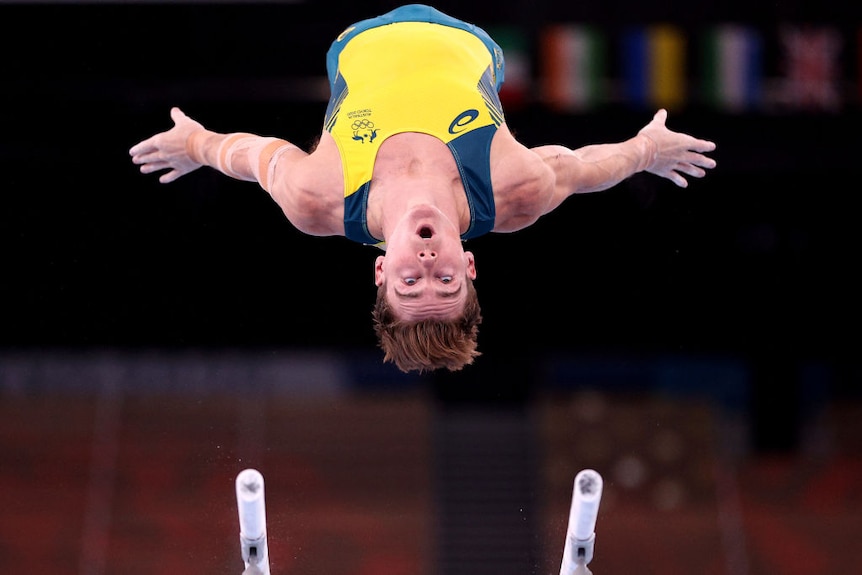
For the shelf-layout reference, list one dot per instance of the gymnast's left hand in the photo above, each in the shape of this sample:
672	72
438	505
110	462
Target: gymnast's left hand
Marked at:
167	150
676	155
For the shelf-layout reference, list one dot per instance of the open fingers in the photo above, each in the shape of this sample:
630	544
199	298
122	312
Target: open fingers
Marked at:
170	176
149	156
143	147
150	167
695	159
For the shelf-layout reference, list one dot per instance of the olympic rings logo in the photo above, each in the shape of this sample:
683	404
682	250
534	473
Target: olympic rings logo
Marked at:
362	125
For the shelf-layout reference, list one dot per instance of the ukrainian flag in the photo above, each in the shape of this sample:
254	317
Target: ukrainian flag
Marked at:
654	62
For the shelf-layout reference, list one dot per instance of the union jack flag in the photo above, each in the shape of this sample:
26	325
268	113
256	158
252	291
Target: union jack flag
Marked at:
811	58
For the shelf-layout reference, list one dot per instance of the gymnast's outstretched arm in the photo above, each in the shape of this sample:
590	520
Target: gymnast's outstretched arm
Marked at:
188	146
281	168
655	149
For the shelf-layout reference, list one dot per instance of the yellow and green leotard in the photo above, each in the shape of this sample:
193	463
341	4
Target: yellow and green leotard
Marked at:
414	69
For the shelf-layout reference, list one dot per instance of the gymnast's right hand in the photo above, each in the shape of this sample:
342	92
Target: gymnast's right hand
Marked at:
167	150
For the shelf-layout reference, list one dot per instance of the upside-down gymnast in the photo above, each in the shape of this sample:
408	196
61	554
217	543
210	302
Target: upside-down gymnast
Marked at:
416	159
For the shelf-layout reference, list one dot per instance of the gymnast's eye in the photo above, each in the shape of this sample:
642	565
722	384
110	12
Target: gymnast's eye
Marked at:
410	281
446	279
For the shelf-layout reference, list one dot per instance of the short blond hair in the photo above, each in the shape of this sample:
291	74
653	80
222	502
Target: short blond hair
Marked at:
427	345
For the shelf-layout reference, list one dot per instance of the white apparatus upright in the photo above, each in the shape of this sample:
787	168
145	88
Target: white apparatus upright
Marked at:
581	534
251	506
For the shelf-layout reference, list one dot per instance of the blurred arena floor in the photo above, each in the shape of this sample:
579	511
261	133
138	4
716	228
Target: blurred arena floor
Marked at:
111	479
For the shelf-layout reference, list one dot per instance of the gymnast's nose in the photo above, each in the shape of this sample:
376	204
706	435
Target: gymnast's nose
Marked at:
427	256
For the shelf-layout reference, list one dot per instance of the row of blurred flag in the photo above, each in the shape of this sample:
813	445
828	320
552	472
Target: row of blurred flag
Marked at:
731	67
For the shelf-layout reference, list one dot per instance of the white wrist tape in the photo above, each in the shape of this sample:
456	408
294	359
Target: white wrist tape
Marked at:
241	155
229	159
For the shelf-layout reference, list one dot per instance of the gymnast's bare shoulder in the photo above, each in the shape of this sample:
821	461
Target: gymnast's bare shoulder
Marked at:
309	188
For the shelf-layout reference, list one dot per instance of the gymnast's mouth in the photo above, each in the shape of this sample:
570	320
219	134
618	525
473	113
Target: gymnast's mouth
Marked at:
426	232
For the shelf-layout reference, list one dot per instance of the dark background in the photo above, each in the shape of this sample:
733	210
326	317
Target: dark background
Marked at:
697	347
757	261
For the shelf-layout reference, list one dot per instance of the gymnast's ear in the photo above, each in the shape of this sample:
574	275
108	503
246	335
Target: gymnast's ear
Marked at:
378	270
471	265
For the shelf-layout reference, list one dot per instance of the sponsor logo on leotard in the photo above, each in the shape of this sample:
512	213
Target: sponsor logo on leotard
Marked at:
462	120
